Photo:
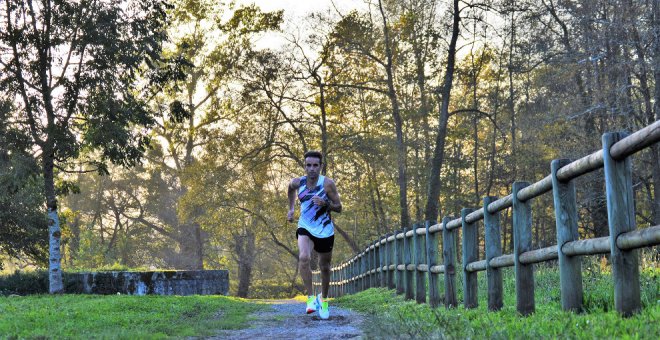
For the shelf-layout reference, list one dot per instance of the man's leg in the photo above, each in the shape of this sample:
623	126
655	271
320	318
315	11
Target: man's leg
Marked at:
305	246
325	260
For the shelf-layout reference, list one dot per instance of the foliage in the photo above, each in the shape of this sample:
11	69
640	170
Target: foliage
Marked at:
534	81
22	220
90	100
392	316
120	317
24	283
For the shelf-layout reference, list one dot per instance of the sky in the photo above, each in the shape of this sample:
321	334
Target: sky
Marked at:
299	8
294	12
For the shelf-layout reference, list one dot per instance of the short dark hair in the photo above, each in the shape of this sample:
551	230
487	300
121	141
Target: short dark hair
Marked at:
314	154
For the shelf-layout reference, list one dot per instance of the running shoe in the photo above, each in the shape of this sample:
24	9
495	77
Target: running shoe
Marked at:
312	304
324	311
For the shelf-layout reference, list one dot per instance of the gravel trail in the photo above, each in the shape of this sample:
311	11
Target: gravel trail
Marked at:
287	320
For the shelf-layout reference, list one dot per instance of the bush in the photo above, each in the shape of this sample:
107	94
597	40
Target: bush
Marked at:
24	283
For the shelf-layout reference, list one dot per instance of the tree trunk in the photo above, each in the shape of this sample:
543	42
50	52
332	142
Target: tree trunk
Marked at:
56	285
655	149
512	109
245	251
398	125
433	196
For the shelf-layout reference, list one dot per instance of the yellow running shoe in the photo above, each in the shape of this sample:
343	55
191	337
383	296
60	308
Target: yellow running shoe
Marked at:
324	311
312	304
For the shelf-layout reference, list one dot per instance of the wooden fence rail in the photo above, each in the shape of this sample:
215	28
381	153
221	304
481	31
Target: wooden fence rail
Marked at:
410	257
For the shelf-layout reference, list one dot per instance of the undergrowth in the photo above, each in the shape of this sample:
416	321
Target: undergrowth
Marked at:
393	317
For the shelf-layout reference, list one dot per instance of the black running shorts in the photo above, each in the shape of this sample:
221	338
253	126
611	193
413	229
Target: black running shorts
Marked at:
321	245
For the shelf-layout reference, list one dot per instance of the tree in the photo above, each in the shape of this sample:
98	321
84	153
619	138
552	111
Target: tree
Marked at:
196	107
73	67
432	211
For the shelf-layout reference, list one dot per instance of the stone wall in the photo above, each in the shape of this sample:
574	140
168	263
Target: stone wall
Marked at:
193	282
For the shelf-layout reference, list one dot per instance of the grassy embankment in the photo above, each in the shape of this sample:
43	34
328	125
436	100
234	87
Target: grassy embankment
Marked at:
391	315
120	316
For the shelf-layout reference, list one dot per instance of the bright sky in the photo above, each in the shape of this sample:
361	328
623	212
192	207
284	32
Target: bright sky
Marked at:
295	11
300	8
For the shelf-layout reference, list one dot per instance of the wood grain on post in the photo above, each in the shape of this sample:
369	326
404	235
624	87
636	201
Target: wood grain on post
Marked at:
621	218
470	254
522	242
449	256
566	218
432	260
408	258
400	282
420	279
493	249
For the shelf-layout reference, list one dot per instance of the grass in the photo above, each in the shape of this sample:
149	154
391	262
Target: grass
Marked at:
120	316
392	316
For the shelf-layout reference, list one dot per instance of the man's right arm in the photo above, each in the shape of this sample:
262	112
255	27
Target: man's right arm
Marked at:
291	194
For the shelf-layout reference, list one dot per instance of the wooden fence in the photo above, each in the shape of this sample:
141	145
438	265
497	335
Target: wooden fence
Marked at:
399	259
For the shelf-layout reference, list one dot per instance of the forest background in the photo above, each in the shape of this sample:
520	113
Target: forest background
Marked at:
168	131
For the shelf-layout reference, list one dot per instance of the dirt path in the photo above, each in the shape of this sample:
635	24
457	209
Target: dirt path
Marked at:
287	320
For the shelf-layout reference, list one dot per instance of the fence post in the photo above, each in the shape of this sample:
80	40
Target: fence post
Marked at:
449	256
344	285
399	261
382	262
357	271
354	274
373	256
566	217
390	260
621	219
371	250
407	253
370	265
363	270
420	279
375	282
470	254
340	284
522	242
432	260
335	281
493	249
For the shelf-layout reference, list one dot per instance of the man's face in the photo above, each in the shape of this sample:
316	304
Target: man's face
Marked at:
312	166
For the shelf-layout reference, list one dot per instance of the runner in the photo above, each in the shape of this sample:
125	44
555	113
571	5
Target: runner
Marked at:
318	196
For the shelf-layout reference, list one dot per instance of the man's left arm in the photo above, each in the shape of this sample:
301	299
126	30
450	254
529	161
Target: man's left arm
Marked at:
334	204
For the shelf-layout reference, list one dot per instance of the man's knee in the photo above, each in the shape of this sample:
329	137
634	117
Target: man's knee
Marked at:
304	258
324	267
324	263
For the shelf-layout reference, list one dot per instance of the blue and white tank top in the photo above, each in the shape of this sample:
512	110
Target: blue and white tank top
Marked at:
315	219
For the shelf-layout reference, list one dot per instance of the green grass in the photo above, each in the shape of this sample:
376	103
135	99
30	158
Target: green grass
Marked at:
392	316
120	316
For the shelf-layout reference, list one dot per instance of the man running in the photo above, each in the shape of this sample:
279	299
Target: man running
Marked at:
318	197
